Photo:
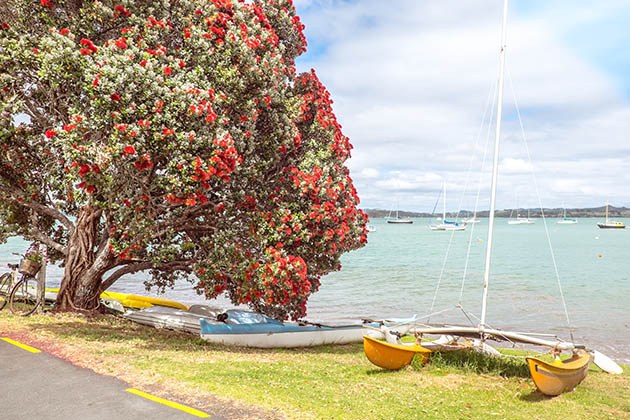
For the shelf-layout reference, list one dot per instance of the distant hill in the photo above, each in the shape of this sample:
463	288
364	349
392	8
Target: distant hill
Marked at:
555	212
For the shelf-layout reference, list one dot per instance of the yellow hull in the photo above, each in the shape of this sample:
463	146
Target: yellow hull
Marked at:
130	301
559	376
141	302
392	356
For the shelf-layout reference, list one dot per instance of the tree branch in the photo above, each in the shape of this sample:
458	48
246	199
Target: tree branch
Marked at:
134	267
52	212
41	237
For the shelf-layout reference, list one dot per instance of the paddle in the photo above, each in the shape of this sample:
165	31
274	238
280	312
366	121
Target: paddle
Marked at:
605	363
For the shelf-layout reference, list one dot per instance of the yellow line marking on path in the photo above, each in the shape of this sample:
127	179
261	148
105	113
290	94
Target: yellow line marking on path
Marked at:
168	403
20	345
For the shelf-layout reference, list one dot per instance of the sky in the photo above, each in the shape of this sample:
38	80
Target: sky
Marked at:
413	84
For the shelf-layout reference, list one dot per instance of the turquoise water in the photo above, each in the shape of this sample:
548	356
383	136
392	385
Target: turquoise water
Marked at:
398	272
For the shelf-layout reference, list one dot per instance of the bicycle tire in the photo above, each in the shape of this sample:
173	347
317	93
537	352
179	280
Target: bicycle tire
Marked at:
5	289
23	300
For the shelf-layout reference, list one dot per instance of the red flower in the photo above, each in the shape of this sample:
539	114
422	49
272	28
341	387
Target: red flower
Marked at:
84	169
115	97
90	189
64	31
167	71
120	9
69	127
50	133
144	123
143	63
95	82
130	150
45	3
121	43
168	132
89	44
143	163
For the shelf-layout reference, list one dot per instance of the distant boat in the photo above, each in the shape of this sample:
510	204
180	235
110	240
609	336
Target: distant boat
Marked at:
566	220
447	225
370	228
521	220
471	221
610	224
398	219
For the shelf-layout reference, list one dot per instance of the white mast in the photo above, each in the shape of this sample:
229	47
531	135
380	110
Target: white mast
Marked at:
443	201
495	168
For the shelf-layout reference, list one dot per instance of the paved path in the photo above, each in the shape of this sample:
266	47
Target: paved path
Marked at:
36	385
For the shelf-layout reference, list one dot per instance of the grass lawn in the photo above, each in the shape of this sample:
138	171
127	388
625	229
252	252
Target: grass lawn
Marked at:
329	382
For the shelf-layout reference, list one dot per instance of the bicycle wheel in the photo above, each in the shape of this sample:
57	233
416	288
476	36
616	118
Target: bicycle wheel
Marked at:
23	300
5	289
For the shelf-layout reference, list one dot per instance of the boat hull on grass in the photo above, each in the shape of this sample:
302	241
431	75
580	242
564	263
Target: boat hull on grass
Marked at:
281	335
392	356
141	302
174	319
559	376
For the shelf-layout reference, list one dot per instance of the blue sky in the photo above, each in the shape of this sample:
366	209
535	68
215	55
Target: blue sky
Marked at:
411	81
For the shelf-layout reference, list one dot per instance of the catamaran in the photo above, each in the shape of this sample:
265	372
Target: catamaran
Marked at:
550	378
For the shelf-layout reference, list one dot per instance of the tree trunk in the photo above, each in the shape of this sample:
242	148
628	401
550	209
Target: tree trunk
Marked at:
80	286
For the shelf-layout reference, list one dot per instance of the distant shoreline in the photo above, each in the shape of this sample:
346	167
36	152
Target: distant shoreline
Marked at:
534	213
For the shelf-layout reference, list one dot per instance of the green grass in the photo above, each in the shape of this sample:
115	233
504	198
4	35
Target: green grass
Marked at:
330	382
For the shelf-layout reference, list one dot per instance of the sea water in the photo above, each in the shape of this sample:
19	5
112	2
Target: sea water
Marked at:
407	270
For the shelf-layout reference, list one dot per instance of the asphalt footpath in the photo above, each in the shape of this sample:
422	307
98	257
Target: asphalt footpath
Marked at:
36	385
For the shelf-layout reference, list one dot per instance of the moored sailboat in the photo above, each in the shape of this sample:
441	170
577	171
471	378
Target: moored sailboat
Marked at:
610	224
447	225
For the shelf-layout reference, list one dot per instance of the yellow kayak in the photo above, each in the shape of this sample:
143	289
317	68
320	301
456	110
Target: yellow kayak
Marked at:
141	302
127	300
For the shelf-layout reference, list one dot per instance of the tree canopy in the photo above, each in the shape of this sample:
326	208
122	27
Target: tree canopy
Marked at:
173	136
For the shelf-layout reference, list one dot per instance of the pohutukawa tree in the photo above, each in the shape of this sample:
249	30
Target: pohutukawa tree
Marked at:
173	137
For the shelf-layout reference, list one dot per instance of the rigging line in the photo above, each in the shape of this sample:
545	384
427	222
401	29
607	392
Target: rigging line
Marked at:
437	287
436	202
491	95
542	212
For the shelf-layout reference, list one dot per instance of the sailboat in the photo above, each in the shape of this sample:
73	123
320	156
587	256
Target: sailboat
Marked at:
550	379
398	219
566	220
521	220
447	225
610	224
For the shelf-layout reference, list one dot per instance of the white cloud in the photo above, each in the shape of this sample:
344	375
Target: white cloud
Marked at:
411	81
